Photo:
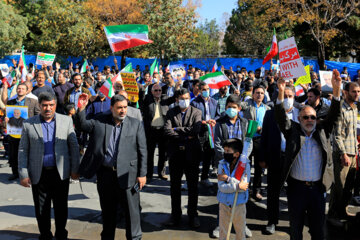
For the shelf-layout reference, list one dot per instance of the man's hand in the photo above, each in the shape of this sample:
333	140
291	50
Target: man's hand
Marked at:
25	182
336	82
6	119
303	86
84	104
75	176
115	60
222	177
212	122
57	66
243	185
281	86
141	181
345	160
14	62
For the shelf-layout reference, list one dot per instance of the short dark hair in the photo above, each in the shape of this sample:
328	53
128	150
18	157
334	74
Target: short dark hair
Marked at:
348	85
76	74
23	84
117	98
233	98
68	107
257	87
46	96
88	80
202	84
181	92
106	67
195	81
315	91
248	85
235	144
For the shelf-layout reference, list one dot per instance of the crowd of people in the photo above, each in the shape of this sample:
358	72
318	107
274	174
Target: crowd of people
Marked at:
307	143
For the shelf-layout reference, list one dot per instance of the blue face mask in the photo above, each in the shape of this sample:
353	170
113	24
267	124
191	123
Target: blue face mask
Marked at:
231	112
190	77
205	94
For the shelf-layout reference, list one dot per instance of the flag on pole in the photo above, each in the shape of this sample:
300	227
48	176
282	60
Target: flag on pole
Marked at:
84	67
216	65
116	78
211	135
127	68
22	65
299	91
9	78
154	68
167	69
273	50
107	88
121	37
216	80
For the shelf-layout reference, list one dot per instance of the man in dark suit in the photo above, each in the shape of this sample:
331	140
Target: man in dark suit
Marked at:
307	152
33	109
182	127
117	155
210	112
155	109
48	156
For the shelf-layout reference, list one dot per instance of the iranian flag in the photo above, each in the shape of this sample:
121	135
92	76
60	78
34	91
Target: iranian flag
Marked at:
273	50
127	68
154	68
9	78
216	66
116	78
107	88
22	65
299	91
167	69
121	37
216	80
84	67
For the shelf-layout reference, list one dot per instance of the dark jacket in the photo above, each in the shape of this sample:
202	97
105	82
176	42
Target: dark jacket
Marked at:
321	110
132	153
148	108
295	136
199	103
32	104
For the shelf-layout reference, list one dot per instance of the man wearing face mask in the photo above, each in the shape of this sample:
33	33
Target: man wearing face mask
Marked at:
272	156
182	126
307	153
210	113
117	155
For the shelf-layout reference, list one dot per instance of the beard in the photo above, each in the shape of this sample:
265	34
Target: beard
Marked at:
119	118
308	127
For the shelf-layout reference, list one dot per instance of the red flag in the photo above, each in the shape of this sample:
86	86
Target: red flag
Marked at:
273	50
240	168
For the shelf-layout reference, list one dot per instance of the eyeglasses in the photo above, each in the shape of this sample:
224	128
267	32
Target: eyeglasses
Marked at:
312	117
157	90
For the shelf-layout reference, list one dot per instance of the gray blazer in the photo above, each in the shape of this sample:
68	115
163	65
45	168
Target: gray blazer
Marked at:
31	148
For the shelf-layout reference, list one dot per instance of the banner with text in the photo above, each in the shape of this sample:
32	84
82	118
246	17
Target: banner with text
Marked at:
290	61
45	59
130	85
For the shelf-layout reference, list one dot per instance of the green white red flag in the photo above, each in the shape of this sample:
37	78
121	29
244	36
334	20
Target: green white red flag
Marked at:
273	50
216	66
127	68
84	67
216	80
121	37
22	65
107	88
154	68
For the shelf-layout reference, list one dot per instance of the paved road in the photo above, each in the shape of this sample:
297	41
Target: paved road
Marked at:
17	220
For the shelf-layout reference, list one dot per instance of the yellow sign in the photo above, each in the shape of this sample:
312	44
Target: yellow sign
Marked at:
304	79
130	85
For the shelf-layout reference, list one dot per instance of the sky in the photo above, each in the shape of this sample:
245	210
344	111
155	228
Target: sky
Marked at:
211	9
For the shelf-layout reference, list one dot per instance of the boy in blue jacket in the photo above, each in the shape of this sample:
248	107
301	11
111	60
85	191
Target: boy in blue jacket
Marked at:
228	185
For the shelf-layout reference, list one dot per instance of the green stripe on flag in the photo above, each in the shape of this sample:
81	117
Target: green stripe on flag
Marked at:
211	75
133	28
110	94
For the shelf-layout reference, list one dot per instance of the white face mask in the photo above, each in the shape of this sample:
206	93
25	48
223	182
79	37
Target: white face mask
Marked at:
184	103
288	103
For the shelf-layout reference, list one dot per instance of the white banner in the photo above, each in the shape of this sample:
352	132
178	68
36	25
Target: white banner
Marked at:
291	65
4	69
45	59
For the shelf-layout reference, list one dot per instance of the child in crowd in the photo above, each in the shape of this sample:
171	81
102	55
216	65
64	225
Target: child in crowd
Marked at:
228	185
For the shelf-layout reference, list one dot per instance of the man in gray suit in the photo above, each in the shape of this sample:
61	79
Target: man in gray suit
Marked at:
48	155
117	155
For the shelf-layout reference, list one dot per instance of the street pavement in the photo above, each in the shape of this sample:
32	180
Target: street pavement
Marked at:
17	218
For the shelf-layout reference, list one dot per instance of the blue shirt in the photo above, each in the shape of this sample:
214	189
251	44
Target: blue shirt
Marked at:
98	106
112	149
20	103
48	129
260	114
74	97
234	130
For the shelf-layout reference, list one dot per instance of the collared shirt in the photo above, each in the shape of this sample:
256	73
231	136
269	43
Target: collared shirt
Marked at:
207	109
221	101
48	129
345	131
308	163
74	97
113	147
234	130
158	120
260	114
292	116
20	103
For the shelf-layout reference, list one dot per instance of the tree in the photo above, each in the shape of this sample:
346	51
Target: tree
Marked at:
207	42
13	29
171	27
320	19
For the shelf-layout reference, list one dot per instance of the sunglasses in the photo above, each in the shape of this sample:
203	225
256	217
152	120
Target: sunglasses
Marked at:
312	117
157	90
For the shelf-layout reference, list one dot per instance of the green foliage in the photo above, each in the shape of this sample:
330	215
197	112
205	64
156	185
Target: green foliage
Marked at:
207	42
13	28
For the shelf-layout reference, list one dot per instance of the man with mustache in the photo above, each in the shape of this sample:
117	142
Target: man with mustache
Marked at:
307	152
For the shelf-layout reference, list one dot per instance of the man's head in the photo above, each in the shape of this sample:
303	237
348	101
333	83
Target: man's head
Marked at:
124	93
313	97
307	119
223	90
17	113
47	102
107	70
61	78
258	93
118	107
289	95
352	92
88	82
196	86
98	76
21	90
77	80
197	75
183	98
29	76
147	77
232	149
204	89
232	105
40	78
156	91
29	86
